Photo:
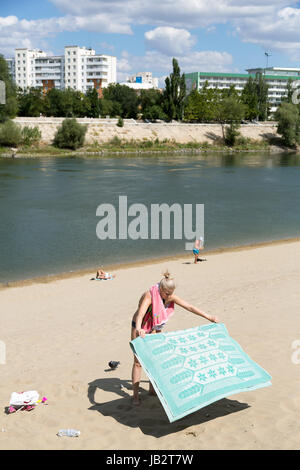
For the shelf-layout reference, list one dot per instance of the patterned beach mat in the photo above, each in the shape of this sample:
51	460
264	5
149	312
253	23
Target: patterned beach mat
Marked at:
192	368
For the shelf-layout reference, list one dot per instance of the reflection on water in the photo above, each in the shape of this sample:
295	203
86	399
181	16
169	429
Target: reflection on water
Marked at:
48	205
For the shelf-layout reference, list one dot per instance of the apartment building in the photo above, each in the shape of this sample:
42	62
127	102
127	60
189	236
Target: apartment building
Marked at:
143	78
49	72
276	77
24	66
80	68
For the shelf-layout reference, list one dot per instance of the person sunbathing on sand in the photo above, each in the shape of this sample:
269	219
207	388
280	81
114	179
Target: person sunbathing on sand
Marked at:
155	308
104	275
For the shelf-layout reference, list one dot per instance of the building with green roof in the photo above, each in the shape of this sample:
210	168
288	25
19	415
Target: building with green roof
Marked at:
277	79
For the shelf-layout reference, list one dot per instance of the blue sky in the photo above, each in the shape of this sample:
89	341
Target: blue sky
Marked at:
144	35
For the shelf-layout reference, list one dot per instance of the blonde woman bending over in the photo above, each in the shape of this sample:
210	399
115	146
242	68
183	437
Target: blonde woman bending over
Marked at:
155	308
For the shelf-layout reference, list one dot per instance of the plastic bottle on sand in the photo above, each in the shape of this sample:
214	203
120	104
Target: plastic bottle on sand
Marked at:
69	433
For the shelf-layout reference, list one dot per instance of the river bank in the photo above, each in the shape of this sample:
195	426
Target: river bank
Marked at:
104	137
104	130
136	264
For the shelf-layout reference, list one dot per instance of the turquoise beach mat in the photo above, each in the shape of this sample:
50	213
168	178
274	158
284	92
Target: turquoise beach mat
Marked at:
192	368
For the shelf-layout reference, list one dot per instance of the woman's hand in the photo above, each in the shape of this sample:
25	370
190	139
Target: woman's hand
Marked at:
214	319
141	333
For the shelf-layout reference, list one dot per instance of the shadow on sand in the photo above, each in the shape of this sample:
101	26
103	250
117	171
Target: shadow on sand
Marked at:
150	416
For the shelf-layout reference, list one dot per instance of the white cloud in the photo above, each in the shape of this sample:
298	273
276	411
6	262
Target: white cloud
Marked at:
272	24
159	63
169	40
20	32
176	13
106	46
280	33
8	21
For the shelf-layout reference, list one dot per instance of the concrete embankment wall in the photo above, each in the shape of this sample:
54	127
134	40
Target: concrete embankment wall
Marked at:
103	130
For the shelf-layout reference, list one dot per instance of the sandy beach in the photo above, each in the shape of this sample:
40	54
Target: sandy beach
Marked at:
60	336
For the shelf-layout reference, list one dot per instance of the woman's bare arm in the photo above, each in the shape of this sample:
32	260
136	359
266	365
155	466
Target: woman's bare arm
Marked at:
143	306
191	308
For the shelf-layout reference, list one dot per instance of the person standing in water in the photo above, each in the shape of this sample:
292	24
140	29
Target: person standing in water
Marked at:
155	308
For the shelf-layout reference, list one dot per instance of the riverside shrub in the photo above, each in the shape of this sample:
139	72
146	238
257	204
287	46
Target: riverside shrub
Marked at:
70	135
10	134
288	118
31	135
120	122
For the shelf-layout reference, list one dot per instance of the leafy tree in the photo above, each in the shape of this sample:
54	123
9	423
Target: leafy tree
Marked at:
230	111
31	102
10	108
151	102
175	93
67	103
250	99
193	107
74	103
106	107
70	134
154	112
211	98
10	134
289	92
230	92
262	95
53	105
124	100
288	118
93	105
255	97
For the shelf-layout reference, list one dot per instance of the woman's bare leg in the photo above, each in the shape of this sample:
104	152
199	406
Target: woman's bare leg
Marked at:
136	378
136	373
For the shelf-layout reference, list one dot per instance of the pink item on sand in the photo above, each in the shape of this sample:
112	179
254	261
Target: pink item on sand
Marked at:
159	314
29	408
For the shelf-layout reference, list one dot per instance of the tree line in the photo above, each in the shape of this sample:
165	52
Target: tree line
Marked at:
227	107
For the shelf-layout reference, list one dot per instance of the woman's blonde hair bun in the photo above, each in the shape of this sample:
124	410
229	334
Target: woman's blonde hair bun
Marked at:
167	283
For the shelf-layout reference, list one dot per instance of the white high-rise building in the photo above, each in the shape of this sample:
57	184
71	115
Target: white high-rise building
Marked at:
84	69
50	72
79	68
25	66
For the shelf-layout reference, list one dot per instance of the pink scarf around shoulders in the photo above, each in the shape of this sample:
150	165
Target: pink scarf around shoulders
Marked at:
159	314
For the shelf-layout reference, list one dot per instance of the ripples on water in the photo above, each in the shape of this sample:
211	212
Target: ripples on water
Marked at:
48	205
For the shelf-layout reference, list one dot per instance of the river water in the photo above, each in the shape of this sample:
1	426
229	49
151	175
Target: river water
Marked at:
48	206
